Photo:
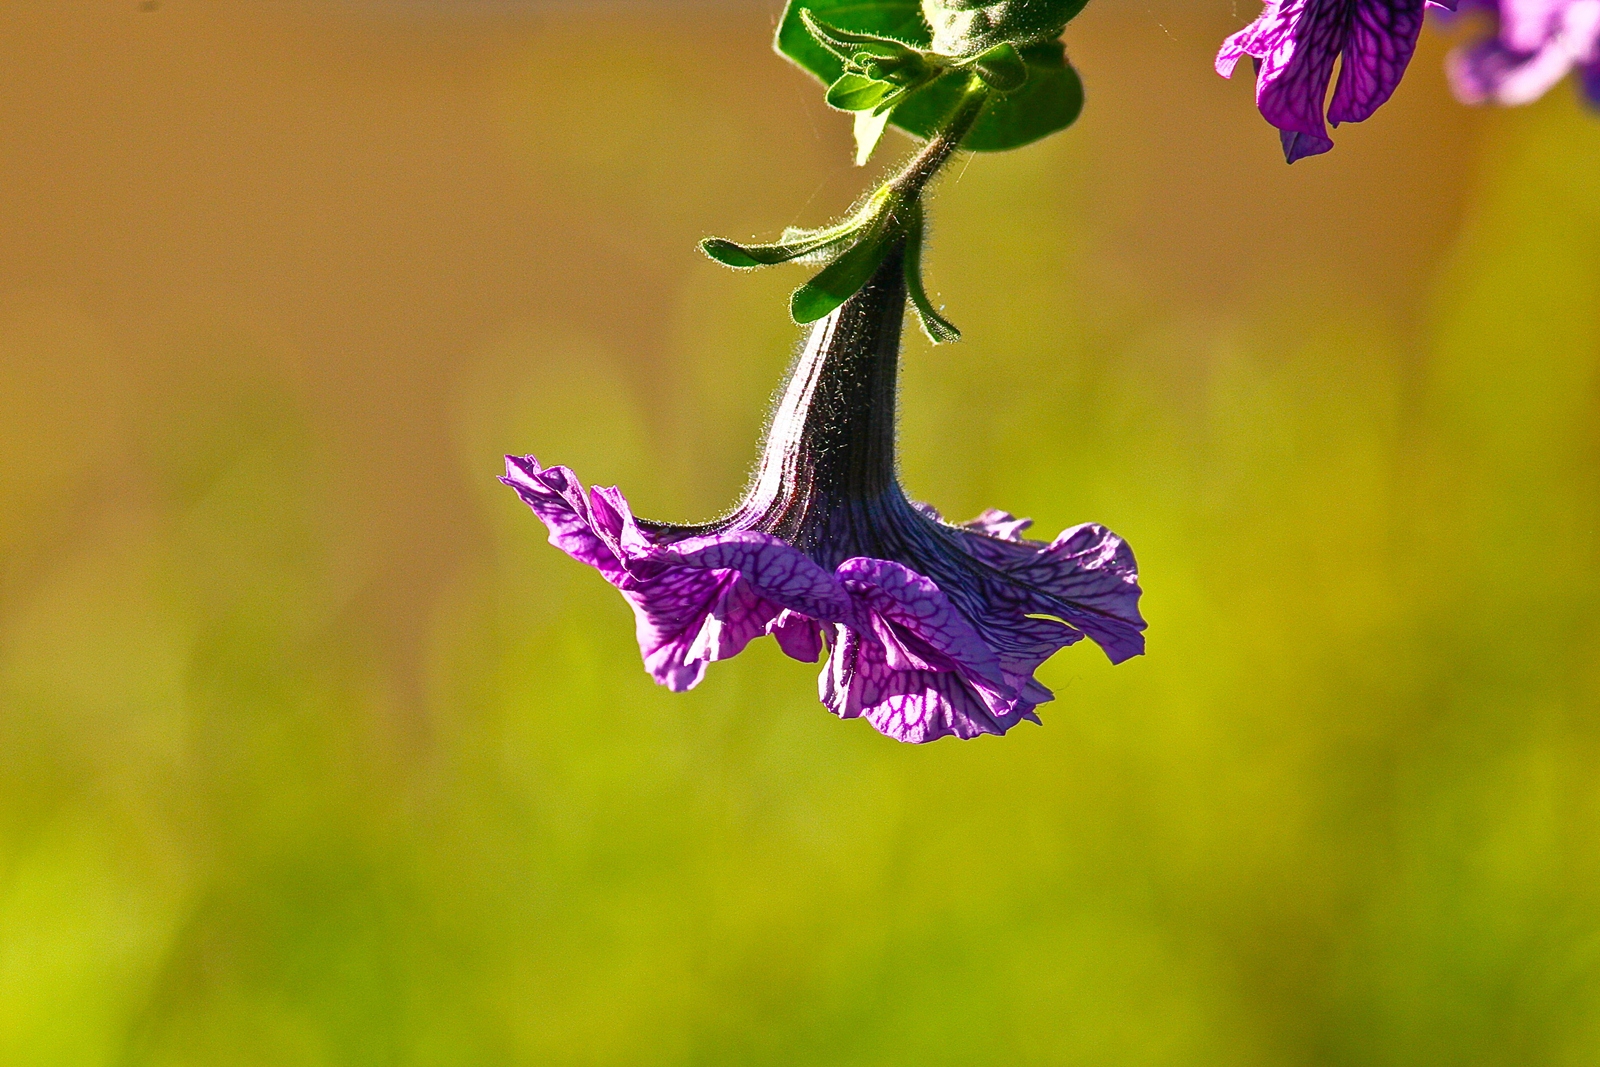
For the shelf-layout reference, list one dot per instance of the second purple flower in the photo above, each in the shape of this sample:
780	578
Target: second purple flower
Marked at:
1536	44
1295	44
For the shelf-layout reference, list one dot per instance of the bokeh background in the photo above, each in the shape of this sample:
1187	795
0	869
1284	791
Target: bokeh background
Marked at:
313	752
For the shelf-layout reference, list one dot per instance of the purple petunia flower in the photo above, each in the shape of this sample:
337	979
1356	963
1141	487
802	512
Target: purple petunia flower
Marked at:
1538	42
932	629
1295	44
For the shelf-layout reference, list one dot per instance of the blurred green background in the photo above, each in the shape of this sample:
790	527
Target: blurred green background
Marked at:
313	752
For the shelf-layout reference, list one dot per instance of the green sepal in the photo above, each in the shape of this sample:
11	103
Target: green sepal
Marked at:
841	279
853	92
913	68
1001	68
797	244
939	329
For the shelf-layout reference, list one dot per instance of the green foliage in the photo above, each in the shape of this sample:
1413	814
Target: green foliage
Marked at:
893	215
840	280
797	244
987	77
800	245
860	244
897	20
1051	100
853	92
920	73
1001	68
966	27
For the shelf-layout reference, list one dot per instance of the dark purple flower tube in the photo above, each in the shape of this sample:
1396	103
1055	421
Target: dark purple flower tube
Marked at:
1295	44
931	628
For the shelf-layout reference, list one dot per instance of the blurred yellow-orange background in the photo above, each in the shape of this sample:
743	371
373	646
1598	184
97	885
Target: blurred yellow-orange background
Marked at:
313	752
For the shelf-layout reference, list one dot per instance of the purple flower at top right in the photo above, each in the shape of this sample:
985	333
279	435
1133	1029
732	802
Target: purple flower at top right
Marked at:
1296	44
1536	44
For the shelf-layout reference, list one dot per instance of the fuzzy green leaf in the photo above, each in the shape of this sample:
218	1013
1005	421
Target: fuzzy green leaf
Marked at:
869	131
894	20
840	280
852	92
1050	100
847	46
968	27
796	245
939	329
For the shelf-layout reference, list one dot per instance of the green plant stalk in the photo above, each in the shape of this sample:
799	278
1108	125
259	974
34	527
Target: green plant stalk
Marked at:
890	217
900	223
909	183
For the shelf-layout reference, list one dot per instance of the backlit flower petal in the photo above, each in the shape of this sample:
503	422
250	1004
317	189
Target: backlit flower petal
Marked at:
1537	44
1297	42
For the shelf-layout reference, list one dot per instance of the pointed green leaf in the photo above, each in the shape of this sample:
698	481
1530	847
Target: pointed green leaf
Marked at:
840	280
939	329
852	92
847	45
865	214
898	20
797	245
730	254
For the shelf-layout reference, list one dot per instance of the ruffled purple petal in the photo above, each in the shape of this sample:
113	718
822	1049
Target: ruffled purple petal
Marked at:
775	569
670	610
1295	44
559	499
919	627
799	636
739	616
1269	31
1088	576
916	706
683	615
1294	75
997	523
1297	146
1527	26
1382	39
917	660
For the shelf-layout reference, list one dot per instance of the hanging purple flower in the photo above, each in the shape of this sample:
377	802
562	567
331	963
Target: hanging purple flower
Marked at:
932	629
1538	42
1295	43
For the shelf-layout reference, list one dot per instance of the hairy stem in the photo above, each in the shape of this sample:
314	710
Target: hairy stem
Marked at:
909	183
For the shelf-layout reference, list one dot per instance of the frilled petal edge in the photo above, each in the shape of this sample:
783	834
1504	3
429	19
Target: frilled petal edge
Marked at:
902	653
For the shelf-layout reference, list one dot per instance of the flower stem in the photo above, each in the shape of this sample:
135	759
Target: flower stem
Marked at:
910	182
